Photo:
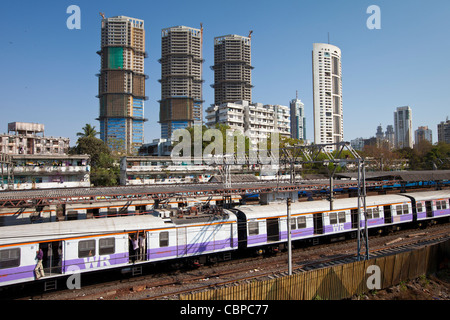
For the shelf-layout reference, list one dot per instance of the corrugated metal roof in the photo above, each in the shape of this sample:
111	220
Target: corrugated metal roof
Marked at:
407	176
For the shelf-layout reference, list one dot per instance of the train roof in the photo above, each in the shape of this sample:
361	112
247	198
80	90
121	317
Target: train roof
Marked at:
84	228
429	195
77	228
280	209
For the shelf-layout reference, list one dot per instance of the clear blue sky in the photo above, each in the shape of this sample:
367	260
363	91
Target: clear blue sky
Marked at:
48	71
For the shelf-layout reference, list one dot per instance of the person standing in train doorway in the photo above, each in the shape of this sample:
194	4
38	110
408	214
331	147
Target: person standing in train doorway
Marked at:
39	269
135	247
142	246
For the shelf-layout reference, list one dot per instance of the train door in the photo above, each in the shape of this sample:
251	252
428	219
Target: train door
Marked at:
242	230
354	214
52	258
181	241
429	208
387	214
273	230
318	223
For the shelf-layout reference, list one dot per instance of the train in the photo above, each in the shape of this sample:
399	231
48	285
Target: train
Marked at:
200	236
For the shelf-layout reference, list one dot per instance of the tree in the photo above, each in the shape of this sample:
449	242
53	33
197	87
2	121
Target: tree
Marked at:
88	131
92	146
104	171
198	133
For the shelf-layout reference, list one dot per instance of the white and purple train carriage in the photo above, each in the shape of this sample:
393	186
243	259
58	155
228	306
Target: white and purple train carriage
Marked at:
104	243
264	228
100	244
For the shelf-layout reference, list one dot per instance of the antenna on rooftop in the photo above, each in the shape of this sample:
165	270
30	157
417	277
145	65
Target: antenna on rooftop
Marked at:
328	38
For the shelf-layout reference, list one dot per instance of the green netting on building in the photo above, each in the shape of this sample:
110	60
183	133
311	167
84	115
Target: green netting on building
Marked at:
115	58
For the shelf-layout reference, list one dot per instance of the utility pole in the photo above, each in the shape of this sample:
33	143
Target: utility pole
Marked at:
289	236
362	198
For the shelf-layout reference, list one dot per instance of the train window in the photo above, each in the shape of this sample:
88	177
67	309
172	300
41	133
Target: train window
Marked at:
164	239
373	213
376	213
441	205
405	209
399	210
9	258
253	228
107	246
419	207
293	223
301	222
86	248
333	218
341	216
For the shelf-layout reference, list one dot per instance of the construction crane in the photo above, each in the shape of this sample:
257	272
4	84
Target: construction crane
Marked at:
102	14
201	31
250	34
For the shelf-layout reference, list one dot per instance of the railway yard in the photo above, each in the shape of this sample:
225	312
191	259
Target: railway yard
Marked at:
402	218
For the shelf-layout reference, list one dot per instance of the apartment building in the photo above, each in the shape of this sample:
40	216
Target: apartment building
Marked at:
327	90
28	138
298	119
403	128
122	83
256	120
181	103
232	69
422	134
444	131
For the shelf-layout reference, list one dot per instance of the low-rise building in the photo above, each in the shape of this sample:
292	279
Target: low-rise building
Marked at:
42	172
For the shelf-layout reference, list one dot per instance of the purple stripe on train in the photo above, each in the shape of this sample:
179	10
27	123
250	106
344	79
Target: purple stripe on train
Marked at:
372	222
338	227
421	215
297	234
95	262
402	218
192	249
440	213
17	273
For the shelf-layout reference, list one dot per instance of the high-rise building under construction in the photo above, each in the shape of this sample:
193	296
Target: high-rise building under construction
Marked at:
181	103
232	69
122	83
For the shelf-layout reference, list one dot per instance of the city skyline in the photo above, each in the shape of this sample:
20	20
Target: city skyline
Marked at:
51	70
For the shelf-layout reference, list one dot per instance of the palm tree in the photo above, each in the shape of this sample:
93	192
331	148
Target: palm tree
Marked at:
88	132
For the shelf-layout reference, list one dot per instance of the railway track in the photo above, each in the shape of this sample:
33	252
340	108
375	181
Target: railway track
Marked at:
410	245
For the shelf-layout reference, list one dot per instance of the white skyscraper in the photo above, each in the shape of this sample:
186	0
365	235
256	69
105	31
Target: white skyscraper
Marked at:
298	119
403	128
327	89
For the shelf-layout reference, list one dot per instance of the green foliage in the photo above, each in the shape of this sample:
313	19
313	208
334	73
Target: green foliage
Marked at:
426	156
92	146
104	170
200	134
88	131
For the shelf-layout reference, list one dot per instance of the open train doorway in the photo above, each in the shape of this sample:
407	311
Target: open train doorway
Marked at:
273	230
52	257
387	214
429	209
